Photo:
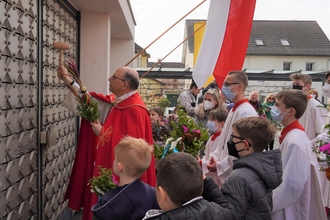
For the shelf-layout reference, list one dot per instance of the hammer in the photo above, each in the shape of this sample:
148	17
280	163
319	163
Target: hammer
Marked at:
61	46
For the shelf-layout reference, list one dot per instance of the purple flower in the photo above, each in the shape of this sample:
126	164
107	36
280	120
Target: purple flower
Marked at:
196	131
325	148
185	129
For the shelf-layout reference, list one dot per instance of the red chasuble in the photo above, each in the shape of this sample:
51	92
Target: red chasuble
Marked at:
127	118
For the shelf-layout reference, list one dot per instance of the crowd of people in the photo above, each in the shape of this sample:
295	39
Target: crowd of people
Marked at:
239	175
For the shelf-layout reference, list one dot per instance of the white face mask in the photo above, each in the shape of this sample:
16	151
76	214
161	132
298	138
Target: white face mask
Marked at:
313	96
207	105
326	90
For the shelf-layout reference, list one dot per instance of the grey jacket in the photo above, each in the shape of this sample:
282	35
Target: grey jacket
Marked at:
248	189
188	100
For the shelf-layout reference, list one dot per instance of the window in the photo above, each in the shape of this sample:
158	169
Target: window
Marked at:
286	66
310	66
285	42
259	42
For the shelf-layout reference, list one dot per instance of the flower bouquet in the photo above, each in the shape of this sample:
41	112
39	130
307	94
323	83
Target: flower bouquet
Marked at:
87	108
261	112
322	147
185	136
103	182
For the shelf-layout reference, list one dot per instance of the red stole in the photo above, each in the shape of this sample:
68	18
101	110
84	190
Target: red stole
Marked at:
287	129
215	135
239	103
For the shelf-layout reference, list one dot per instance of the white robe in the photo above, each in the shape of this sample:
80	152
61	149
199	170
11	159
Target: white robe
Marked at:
224	161
313	119
299	195
210	147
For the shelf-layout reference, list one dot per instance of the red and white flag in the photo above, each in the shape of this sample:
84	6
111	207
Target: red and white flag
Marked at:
225	39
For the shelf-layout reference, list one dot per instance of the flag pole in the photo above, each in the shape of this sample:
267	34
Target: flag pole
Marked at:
159	61
164	32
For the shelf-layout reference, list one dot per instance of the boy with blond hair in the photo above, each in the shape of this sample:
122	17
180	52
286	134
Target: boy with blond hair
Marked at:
133	198
299	196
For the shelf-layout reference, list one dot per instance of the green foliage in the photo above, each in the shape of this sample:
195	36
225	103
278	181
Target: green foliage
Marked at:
260	111
164	103
159	151
103	182
89	111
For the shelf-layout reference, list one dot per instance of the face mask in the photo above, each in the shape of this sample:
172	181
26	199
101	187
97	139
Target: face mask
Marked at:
297	87
211	126
326	90
232	151
313	96
275	113
207	105
227	93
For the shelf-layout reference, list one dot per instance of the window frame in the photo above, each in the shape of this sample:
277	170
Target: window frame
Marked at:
287	63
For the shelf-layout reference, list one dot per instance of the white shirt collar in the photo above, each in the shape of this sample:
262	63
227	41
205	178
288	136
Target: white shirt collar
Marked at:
125	96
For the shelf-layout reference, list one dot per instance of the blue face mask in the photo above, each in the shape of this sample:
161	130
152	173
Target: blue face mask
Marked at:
211	126
276	114
227	93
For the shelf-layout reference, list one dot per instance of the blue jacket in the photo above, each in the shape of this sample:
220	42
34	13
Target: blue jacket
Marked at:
130	202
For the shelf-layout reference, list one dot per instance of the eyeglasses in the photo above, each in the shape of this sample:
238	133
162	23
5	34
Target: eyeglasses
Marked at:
228	84
242	139
115	77
271	98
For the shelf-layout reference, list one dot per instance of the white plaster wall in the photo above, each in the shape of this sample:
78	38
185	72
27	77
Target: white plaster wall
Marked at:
121	52
189	60
95	51
272	62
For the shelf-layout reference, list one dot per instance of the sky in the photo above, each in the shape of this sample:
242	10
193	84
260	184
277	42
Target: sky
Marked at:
154	17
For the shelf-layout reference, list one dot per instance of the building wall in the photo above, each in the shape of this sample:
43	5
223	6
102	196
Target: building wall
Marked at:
189	60
95	50
37	133
276	62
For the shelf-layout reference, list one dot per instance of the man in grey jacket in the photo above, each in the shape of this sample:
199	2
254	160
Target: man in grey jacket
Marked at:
188	98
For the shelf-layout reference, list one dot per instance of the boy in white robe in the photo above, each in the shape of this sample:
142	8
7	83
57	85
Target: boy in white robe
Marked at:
215	124
299	195
313	120
233	88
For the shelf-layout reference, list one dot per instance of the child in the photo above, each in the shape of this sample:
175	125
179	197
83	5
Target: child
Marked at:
156	114
133	198
248	189
215	124
179	188
299	196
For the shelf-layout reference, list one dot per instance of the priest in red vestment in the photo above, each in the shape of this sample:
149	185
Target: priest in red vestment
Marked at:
121	114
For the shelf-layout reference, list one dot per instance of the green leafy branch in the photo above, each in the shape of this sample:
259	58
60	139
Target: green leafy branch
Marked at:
104	182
